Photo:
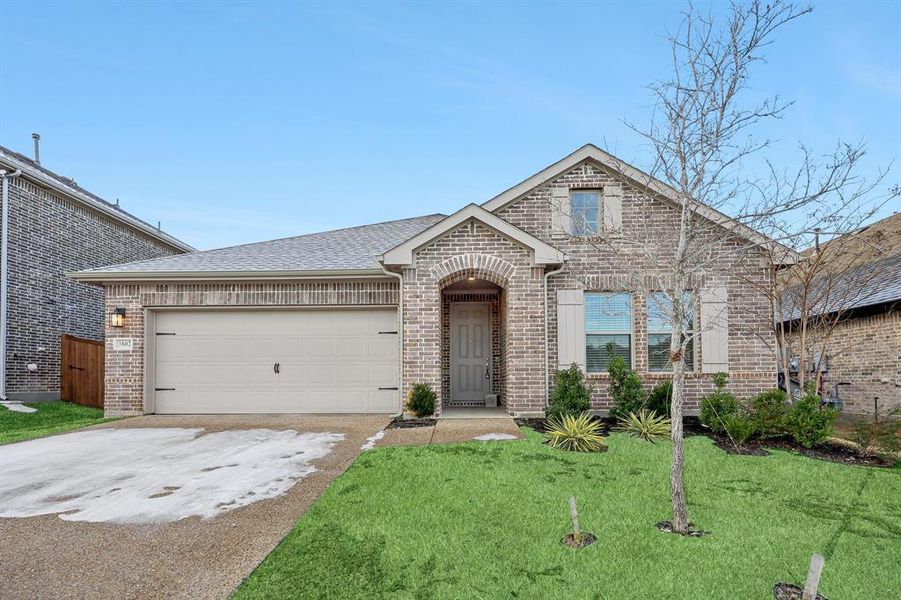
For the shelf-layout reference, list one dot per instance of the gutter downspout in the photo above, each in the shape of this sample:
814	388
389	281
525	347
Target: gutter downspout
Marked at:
4	274
547	363
400	333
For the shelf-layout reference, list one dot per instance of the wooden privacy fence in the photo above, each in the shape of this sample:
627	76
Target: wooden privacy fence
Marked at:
81	371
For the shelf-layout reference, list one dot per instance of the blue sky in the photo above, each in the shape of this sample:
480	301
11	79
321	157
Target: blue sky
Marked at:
238	122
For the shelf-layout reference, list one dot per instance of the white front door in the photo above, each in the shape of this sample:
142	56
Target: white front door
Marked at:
276	361
470	359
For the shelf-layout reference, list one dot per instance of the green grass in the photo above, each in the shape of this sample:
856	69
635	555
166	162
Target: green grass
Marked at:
52	417
484	520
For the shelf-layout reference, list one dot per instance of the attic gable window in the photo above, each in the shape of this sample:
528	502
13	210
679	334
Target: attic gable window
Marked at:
585	212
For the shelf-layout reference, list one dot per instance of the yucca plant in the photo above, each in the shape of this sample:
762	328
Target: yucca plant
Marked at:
576	433
646	425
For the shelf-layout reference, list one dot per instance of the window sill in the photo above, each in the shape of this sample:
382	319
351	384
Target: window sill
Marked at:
650	375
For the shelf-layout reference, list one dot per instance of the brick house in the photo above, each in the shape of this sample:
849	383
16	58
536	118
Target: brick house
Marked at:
483	305
55	227
862	335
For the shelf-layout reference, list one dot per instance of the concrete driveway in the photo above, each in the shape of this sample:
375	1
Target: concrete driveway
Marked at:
145	507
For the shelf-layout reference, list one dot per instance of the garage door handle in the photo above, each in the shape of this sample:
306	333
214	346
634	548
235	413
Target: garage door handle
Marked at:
164	389
387	388
277	368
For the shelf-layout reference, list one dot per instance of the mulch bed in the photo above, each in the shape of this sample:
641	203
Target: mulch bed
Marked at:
402	423
539	424
788	591
587	540
667	527
828	451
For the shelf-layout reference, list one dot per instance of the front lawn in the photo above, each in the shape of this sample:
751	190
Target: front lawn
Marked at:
484	520
52	417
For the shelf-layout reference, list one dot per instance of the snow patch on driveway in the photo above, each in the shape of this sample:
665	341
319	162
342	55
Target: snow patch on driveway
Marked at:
370	442
153	475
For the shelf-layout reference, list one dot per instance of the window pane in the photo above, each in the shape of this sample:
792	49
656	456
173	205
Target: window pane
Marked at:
608	312
597	357
585	212
660	312
658	353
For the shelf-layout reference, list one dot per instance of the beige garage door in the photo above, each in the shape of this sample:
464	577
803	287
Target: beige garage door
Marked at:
276	361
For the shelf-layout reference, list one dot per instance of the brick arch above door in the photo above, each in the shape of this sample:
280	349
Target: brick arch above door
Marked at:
480	266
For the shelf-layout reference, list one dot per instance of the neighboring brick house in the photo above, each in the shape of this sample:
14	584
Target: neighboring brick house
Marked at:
861	336
56	227
483	305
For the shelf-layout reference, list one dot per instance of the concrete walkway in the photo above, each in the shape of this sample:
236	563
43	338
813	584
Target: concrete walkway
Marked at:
453	430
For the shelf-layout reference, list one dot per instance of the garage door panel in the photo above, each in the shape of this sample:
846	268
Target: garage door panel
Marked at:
331	361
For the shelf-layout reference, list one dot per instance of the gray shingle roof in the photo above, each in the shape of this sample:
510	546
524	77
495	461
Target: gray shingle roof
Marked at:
354	248
872	284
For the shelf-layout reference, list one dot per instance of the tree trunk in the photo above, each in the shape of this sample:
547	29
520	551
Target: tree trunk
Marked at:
677	491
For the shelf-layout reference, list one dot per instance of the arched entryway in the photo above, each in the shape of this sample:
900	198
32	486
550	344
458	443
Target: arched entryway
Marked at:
473	332
472	343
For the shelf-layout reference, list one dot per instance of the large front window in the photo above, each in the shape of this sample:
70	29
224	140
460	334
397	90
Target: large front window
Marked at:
660	330
608	324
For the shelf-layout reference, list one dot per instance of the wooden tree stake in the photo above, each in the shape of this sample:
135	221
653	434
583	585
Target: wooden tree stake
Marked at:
813	578
574	515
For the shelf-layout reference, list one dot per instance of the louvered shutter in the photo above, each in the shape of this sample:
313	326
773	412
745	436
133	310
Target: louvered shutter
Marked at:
560	212
613	208
570	328
714	330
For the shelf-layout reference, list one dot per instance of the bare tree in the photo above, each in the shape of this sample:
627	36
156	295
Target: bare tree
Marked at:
700	136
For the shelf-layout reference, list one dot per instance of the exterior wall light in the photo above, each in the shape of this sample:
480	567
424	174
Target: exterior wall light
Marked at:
117	317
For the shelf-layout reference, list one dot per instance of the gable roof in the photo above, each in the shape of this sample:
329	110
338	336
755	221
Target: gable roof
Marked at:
340	252
47	178
605	159
542	253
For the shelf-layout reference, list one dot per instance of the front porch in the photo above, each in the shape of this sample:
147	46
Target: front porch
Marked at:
472	346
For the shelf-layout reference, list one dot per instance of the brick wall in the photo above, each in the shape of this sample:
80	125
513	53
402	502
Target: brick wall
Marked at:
48	237
621	264
472	249
865	352
125	368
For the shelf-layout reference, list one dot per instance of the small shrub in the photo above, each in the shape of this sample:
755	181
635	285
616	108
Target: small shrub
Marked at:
807	422
421	401
717	406
739	427
768	413
660	400
576	433
571	396
625	388
646	425
882	433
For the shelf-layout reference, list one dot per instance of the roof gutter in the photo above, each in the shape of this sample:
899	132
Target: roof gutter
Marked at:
400	333
4	274
128	276
547	342
101	207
